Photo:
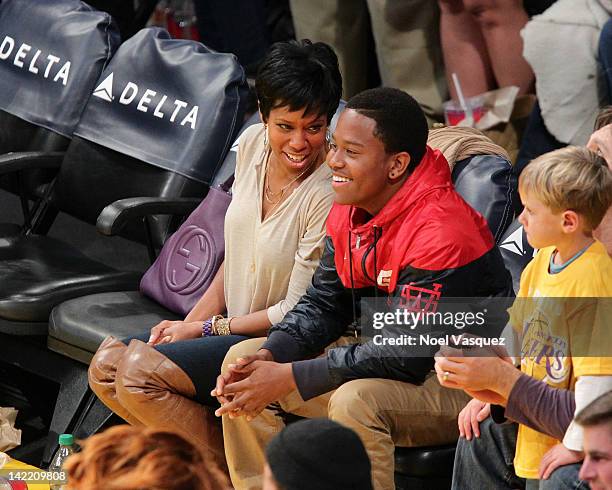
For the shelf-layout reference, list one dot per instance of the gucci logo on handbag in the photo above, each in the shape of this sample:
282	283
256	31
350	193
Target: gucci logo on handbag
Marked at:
190	263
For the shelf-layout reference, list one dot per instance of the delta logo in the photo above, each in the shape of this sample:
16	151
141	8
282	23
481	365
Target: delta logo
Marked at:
515	243
35	61
175	110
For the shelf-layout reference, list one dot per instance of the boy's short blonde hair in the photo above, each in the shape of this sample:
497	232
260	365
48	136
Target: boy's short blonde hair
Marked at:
604	117
572	178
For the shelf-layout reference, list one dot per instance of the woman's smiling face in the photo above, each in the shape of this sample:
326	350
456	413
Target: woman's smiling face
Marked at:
296	139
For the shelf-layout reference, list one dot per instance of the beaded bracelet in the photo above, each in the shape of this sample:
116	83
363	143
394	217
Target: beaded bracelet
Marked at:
207	329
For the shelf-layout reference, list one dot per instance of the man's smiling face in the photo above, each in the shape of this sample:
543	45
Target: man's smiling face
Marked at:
359	163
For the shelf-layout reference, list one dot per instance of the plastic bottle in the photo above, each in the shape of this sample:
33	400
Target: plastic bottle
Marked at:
66	448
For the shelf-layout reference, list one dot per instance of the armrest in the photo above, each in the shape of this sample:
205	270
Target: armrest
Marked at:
115	216
25	160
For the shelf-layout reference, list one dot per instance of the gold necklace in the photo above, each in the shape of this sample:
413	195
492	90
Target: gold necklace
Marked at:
269	195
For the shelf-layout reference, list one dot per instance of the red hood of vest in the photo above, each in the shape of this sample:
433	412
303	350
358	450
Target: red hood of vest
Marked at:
425	225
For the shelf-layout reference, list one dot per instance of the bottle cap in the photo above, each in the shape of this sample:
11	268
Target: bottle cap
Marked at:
66	439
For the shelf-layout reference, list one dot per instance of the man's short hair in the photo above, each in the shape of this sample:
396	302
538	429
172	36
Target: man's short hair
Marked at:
598	412
400	121
321	454
570	178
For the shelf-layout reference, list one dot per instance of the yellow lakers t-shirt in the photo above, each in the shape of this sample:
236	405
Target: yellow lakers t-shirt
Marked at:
566	331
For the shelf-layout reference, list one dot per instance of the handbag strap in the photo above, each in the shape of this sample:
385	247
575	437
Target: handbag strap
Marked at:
227	185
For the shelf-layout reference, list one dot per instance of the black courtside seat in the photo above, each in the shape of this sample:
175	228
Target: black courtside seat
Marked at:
488	184
159	123
132	141
516	251
78	326
424	468
51	55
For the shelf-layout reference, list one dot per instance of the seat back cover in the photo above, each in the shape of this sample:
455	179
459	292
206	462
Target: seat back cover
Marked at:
51	56
159	122
172	103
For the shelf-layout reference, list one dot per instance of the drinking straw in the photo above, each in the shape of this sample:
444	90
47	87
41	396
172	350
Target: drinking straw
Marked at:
469	115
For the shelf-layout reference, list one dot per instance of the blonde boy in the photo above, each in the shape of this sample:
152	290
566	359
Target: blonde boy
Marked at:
563	319
566	194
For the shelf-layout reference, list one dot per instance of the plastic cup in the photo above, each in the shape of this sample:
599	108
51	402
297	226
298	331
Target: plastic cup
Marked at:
454	113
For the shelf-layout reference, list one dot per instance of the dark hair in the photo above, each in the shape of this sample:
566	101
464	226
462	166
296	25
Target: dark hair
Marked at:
299	75
400	121
321	454
598	412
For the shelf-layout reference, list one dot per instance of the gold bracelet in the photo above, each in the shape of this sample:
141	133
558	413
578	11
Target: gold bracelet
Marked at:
213	326
222	325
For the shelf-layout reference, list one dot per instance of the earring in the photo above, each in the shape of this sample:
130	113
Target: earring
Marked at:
266	141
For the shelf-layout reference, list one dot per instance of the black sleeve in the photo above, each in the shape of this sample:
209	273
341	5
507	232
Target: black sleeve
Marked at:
319	318
367	360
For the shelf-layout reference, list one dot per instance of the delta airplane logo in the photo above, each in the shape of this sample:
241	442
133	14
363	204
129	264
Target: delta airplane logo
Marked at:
175	110
515	244
105	89
49	66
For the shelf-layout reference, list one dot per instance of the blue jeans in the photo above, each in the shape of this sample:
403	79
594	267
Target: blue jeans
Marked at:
486	462
563	478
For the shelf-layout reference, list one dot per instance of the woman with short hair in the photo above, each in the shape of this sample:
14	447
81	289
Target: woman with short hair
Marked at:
274	232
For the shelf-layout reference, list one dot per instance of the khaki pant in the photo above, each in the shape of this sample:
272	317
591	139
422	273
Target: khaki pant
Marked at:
406	35
383	412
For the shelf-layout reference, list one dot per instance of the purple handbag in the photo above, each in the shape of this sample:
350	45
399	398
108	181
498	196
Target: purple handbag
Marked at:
190	258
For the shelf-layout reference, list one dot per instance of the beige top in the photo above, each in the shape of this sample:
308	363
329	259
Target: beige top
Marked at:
270	264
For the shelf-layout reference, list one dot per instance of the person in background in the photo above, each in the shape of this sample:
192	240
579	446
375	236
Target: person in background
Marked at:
274	236
601	143
482	44
246	28
317	454
596	421
405	38
569	94
132	458
562	312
